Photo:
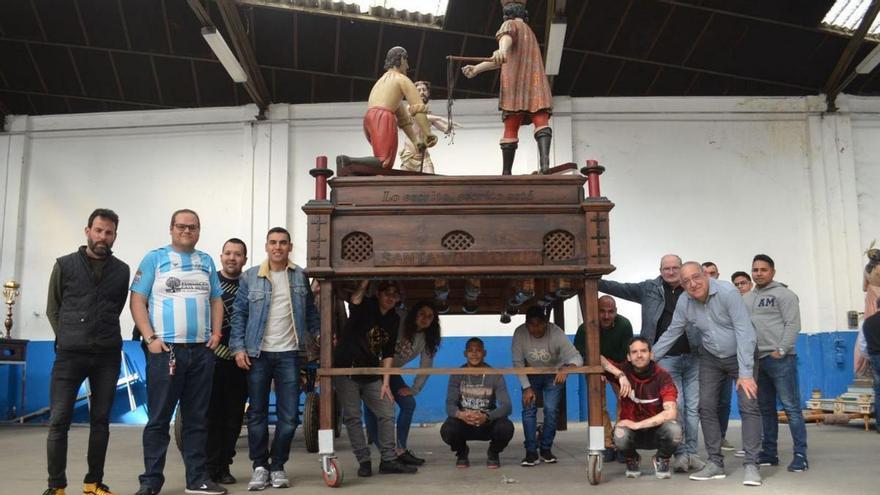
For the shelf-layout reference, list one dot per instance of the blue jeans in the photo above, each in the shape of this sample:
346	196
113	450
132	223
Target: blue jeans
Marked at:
778	378
283	369
685	372
191	385
541	385
407	405
875	363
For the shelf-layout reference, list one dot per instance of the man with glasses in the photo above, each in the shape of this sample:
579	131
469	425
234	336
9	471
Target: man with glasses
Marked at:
658	297
176	303
742	281
717	311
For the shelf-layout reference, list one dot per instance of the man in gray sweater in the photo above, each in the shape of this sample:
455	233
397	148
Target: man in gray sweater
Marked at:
478	407
541	344
776	315
717	311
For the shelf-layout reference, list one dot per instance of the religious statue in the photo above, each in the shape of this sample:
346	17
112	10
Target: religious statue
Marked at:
385	114
525	92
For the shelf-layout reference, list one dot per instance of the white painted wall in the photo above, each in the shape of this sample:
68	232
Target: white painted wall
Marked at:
709	178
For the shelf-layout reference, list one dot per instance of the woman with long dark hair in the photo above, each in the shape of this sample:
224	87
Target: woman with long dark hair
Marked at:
419	335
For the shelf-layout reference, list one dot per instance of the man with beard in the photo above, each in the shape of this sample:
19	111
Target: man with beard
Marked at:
229	391
648	414
410	157
87	292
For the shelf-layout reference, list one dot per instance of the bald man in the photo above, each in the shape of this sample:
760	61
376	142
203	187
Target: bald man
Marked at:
615	334
658	297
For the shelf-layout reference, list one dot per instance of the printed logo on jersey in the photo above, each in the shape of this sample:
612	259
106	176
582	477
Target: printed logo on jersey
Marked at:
174	285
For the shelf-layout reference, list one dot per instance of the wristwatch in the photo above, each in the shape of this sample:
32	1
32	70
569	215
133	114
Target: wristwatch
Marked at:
152	338
781	351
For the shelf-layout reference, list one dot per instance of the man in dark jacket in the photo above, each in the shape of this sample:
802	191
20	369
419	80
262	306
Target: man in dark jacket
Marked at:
87	292
658	297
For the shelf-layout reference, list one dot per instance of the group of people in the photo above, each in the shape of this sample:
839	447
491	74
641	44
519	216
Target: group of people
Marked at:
704	335
215	340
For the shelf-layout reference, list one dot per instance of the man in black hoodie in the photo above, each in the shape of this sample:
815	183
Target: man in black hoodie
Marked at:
87	292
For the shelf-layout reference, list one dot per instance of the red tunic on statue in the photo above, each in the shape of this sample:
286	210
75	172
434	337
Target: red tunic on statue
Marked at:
524	85
380	127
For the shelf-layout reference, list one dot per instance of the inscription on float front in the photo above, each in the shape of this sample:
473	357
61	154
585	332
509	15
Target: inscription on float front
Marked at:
484	196
468	258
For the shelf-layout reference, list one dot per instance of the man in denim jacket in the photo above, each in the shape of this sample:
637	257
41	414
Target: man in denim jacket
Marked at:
273	311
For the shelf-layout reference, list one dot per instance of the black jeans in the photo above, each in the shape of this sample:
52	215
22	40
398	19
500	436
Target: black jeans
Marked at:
225	414
456	433
665	438
68	373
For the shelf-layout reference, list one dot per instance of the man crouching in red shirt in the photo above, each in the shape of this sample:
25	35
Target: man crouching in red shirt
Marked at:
648	413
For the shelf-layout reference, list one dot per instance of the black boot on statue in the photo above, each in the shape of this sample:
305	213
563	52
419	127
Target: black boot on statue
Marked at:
543	137
508	152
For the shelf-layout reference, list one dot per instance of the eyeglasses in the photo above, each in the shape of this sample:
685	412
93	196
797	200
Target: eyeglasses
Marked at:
741	283
186	226
695	279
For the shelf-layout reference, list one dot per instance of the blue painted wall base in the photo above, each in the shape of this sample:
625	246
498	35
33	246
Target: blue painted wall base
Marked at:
824	363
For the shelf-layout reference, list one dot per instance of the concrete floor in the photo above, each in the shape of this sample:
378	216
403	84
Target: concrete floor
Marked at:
841	459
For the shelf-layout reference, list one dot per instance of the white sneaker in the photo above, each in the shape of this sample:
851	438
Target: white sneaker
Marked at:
259	480
279	479
751	476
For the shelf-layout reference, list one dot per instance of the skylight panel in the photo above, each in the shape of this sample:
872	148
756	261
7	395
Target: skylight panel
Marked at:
846	15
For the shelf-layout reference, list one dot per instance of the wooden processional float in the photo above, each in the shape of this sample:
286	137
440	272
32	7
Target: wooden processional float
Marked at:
474	245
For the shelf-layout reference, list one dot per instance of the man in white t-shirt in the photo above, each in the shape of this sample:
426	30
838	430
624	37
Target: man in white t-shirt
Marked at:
273	310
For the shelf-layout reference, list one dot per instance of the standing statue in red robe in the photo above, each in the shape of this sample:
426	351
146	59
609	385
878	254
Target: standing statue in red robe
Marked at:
525	92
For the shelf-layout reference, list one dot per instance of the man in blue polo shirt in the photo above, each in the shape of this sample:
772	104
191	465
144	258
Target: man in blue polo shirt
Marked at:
177	305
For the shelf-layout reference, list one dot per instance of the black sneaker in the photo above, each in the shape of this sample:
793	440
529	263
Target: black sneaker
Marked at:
394	467
206	488
767	460
407	457
462	461
146	490
633	467
547	456
492	460
226	478
365	470
661	468
531	459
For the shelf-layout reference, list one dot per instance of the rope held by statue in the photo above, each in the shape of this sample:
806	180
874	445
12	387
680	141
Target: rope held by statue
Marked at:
450	85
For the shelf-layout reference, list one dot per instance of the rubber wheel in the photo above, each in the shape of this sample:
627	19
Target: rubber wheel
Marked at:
311	421
178	428
594	469
333	476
